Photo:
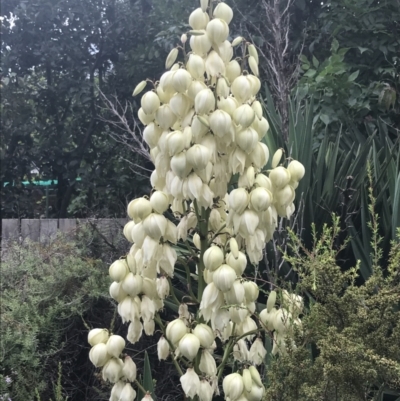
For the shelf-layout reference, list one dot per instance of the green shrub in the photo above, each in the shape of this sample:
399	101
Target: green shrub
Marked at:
46	292
349	345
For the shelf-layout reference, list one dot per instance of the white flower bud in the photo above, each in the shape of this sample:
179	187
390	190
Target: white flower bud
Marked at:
233	70
116	291
172	55
218	30
260	199
284	196
220	123
144	118
204	102
296	170
247	139
238	200
118	270
205	334
233	245
165	117
180	105
255	375
181	80
260	155
198	19
214	221
129	369
196	66
233	386
247	380
224	278
127	393
98	355
256	106
184	38
127	230
176	330
139	87
150	102
197	241
112	370
261	126
139	209
115	345
213	258
198	156
242	88
253	66
251	291
244	115
235	295
200	44
215	65
189	346
190	383
280	177
207	363
224	12
132	284
98	336
238	264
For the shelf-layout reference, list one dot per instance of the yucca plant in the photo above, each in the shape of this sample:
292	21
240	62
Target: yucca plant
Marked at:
336	176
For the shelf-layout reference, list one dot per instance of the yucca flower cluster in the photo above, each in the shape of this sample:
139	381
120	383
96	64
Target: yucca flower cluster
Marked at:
204	127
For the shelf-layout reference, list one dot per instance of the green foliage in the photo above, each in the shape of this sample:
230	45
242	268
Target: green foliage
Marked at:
349	345
46	292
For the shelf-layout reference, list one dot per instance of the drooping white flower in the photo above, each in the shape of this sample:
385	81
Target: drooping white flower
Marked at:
129	369
207	363
162	349
98	336
98	355
190	383
257	352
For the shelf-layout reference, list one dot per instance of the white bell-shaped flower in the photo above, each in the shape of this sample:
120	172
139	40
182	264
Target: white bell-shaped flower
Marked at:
200	44
296	170
127	393
98	355
162	349
115	345
233	386
247	139
176	330
220	123
135	330
116	291
213	258
118	270
244	116
205	335
224	277
180	105
151	134
189	346
149	327
235	295
155	225
129	369
218	30
207	363
132	284
206	391
116	390
223	11
163	287
280	177
238	200
238	313
196	66
112	370
150	102
165	117
198	156
214	65
204	102
198	19
98	336
257	352
190	383
242	88
181	80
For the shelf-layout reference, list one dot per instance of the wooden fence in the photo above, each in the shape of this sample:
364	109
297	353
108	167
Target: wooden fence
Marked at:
43	230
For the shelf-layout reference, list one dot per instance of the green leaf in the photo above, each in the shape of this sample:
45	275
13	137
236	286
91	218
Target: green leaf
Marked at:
310	73
325	118
147	382
315	62
353	76
335	45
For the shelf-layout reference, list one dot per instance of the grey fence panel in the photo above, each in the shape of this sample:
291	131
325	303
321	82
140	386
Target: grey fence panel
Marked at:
10	229
67	226
48	230
30	229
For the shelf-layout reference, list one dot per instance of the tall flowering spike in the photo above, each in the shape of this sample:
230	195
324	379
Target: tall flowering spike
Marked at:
203	124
